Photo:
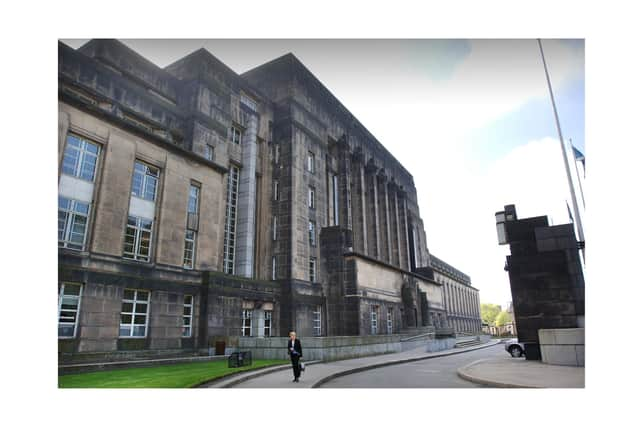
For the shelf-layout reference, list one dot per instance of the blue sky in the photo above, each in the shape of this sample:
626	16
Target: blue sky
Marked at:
470	119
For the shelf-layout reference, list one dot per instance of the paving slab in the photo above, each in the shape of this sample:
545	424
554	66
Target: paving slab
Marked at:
522	373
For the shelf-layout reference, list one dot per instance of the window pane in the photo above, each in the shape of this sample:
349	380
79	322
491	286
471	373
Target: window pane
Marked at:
65	330
138	331
188	299
128	294
70	160
125	330
88	167
62	222
70	289
141	308
139	320
143	296
125	318
127	307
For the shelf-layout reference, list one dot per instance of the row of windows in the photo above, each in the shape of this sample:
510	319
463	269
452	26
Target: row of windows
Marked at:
374	319
247	316
134	314
80	160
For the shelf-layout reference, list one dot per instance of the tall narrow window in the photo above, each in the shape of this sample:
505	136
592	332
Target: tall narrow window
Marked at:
68	306
312	233
311	162
275	227
273	268
230	220
73	217
208	152
312	269
312	198
192	225
336	216
374	319
80	158
137	238
268	315
236	135
135	313
276	153
390	320
187	316
246	322
145	181
317	321
276	191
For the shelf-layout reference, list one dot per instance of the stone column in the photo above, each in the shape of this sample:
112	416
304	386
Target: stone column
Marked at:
344	183
246	216
358	203
404	230
373	235
395	226
383	203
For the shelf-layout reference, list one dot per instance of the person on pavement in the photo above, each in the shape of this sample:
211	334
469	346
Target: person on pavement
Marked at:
295	352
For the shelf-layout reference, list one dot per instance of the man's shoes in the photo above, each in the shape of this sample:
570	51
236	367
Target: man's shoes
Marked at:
296	381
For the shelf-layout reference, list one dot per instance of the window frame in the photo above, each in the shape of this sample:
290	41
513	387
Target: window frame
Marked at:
268	316
311	202
312	233
138	230
189	316
83	153
274	224
390	320
311	162
147	177
247	316
209	152
71	214
235	131
317	321
230	221
273	268
313	269
61	297
189	263
276	190
134	314
374	320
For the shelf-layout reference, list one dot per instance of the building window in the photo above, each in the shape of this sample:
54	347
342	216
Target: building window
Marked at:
194	199
236	135
276	191
312	198
336	216
246	322
312	233
189	248
374	319
268	315
275	227
73	217
312	269
145	181
68	307
135	313
273	268
187	316
317	321
311	162
80	158
390	320
208	152
250	103
276	153
137	238
230	220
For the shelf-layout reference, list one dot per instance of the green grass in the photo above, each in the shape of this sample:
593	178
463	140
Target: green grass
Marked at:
180	375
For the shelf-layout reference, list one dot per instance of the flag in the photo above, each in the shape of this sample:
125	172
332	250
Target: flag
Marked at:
569	210
578	155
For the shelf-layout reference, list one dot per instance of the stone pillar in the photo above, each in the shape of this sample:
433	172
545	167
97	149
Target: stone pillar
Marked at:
404	230
383	212
373	237
358	204
344	183
246	216
395	224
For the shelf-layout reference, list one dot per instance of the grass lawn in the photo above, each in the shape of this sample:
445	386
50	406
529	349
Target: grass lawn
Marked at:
180	375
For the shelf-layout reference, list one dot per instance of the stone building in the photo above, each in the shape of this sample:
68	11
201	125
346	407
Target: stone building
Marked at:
462	301
197	205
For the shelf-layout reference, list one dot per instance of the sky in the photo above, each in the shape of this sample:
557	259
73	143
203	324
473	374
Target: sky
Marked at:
471	120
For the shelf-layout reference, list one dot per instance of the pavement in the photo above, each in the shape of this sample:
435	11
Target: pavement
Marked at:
521	373
318	373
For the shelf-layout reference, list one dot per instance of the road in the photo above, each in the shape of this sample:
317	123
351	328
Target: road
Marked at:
440	372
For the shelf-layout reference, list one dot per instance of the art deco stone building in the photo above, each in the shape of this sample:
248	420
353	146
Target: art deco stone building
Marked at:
197	205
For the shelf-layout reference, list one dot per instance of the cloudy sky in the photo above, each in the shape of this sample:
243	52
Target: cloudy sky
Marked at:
470	119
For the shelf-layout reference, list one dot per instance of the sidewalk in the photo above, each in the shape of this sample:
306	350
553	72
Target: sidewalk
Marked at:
318	373
519	372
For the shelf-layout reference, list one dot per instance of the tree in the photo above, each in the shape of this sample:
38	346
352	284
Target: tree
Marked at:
488	313
503	318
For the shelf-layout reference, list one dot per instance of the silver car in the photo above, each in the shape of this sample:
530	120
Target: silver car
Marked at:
514	348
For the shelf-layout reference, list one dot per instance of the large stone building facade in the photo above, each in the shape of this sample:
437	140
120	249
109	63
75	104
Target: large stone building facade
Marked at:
462	301
197	205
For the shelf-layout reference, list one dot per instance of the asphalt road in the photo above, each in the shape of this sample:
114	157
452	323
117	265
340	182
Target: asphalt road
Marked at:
440	372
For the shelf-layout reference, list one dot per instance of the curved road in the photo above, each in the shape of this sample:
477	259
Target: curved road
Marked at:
440	372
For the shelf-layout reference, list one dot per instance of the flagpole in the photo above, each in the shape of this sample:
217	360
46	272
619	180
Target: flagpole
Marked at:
564	151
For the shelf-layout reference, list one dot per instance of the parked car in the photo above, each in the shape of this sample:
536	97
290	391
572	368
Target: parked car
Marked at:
514	348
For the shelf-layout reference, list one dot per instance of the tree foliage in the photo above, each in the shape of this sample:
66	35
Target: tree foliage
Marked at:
503	318
489	312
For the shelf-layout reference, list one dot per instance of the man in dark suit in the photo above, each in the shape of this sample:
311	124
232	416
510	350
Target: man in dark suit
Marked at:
295	352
